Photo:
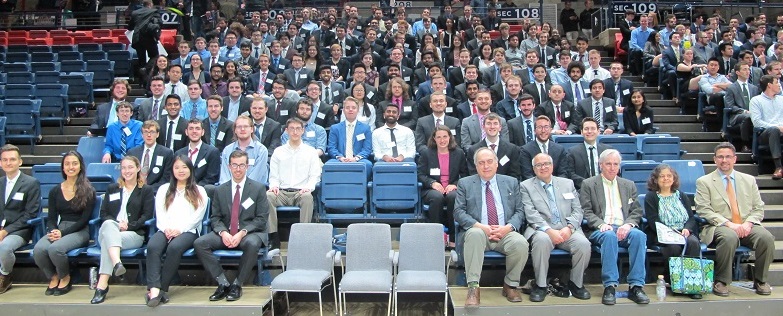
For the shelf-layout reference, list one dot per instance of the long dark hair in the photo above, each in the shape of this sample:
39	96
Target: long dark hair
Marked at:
365	106
192	193
84	193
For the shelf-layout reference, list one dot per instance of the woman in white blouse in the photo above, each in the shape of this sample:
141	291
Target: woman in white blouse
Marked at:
179	209
366	110
126	206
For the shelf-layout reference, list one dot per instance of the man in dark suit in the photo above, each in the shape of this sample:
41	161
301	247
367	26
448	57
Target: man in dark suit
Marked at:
350	140
332	93
577	88
261	81
508	153
204	157
583	158
156	159
471	74
464	23
236	103
173	125
145	23
615	223
396	59
456	75
218	131
106	113
737	98
238	220
277	62
347	44
437	84
476	213
626	26
298	77
324	35
561	113
726	59
267	130
425	125
600	108
281	103
21	203
539	89
542	144
617	88
670	57
520	128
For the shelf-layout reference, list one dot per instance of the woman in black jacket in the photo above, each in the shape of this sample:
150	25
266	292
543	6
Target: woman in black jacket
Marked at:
638	118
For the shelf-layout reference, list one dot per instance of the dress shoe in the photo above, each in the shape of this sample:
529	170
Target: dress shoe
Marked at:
474	297
538	294
696	296
5	283
762	288
100	296
164	297
220	293
63	290
720	289
746	149
154	301
274	241
609	298
50	291
119	269
637	295
778	174
234	293
511	294
578	292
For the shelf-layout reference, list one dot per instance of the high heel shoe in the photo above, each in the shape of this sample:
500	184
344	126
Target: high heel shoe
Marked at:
62	291
119	269
100	296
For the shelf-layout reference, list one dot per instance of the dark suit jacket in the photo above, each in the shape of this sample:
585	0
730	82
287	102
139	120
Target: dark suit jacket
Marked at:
567	115
254	82
159	173
669	59
569	93
405	73
253	208
517	130
144	111
140	20
407	118
426	125
555	150
507	150
454	75
140	207
585	109
300	85
343	65
579	162
282	64
532	89
652	214
101	119
324	37
470	192
722	69
270	135
506	108
631	122
626	87
244	105
428	160
207	163
424	108
17	211
182	125
625	30
281	112
591	195
224	136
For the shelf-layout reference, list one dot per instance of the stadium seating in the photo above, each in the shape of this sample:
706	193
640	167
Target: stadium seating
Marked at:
23	120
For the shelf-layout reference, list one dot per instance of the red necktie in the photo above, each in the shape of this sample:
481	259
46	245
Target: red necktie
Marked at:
559	118
193	153
492	212
234	225
473	108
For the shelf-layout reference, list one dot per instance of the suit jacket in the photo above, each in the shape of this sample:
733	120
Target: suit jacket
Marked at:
255	80
625	30
140	207
461	96
282	64
517	130
140	20
305	76
632	123
405	73
271	135
426	125
532	89
182	125
625	91
207	163
253	209
548	59
652	214
161	160
554	150
343	66
569	92
488	76
567	115
335	89
424	108
470	131
419	78
428	160
609	111
579	162
538	210
325	37
224	136
733	100
455	76
22	205
722	69
669	60
407	118
144	111
349	42
101	119
244	105
362	140
280	112
470	196
712	203
593	201
508	158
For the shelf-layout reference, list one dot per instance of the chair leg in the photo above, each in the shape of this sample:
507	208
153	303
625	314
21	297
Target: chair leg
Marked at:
334	292
446	303
320	304
342	302
272	301
388	308
396	302
287	302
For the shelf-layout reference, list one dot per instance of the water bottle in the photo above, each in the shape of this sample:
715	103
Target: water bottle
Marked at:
660	288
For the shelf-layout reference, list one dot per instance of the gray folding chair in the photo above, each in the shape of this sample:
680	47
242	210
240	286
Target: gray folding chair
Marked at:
368	262
420	262
310	262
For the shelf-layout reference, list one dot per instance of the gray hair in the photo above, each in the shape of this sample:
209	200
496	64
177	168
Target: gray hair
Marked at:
607	153
533	162
475	155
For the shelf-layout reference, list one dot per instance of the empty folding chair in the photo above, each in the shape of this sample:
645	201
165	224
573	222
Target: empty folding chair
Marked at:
343	192
108	47
368	262
568	141
660	148
122	62
42	57
58	48
38	33
39	48
2	130
59	33
17	33
85	46
104	169
69	66
420	263
69	55
19	78
54	103
23	122
18	41
19	91
17	57
47	77
395	191
49	176
625	144
17	48
638	172
103	74
101	33
79	88
62	40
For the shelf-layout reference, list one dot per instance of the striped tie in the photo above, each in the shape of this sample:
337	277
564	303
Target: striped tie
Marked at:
123	142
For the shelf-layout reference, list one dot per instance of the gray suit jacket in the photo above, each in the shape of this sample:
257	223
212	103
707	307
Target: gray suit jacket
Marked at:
593	202
608	110
470	131
470	196
538	210
733	100
144	112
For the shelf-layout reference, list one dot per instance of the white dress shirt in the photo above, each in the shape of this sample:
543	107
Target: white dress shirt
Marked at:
295	168
382	144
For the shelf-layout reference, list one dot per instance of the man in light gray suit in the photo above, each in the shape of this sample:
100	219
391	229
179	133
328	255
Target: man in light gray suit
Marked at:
426	125
471	131
737	99
490	211
554	218
614	223
152	108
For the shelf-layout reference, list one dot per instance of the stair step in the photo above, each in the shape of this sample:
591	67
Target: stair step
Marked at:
46	150
67	130
673	118
655	103
775	275
773	212
40	159
741	157
772	197
682	127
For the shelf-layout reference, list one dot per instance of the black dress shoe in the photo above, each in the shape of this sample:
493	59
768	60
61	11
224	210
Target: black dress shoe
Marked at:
609	298
62	291
538	294
578	292
696	296
154	301
164	297
100	296
636	294
234	293
50	291
119	269
220	293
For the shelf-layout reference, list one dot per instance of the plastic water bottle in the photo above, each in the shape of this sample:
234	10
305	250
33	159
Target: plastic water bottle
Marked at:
660	288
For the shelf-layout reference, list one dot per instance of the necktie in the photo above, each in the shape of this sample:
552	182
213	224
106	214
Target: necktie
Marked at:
550	192
214	61
233	228
497	74
577	92
328	96
296	78
213	134
349	142
173	88
170	136
592	161
394	141
559	118
259	127
398	101
727	67
528	131
745	94
193	110
473	108
145	164
493	146
595	73
276	63
543	55
193	153
155	110
492	212
123	141
597	114
256	53
262	83
437	122
516	108
581	56
541	94
618	97
735	215
677	54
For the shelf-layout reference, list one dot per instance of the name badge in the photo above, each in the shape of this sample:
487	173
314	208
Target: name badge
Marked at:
281	67
268	44
587	91
114	196
251	162
320	115
569	196
626	91
408	78
370	95
504	160
335	93
347	47
646	120
159	161
630	200
221	135
127	131
177	136
567	114
155	170
246	113
187	66
299	46
202	163
164	112
406	108
548	57
407	45
283	112
360	137
269	80
434	171
454	132
247	203
608	109
310	134
18	196
358	27
303	76
449	110
2	224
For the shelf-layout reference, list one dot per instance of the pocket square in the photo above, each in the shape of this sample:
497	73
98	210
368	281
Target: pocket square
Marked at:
630	200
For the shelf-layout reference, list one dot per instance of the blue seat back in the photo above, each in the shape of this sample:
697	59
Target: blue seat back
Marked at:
69	66
86	47
91	149
568	141
47	77
93	55
344	186
16	67
25	77
39	49
54	100
638	172
3	119
79	86
19	91
62	48
100	169
69	56
689	171
103	73
107	47
49	175
23	119
122	62
395	188
17	57
625	144
17	49
44	66
42	57
660	148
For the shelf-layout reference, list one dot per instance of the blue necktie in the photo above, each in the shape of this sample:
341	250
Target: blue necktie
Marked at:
528	131
123	141
550	192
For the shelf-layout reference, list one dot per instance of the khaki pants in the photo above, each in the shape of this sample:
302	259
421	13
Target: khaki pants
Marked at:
513	245
726	243
285	198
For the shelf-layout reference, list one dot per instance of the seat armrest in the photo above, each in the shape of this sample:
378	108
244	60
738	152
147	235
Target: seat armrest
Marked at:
395	257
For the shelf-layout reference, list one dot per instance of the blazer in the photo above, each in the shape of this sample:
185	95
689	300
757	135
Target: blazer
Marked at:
282	64
271	135
567	115
255	80
343	65
470	131
182	125
325	37
337	91
652	214
505	108
532	89
140	207
426	125
556	151
669	60
517	130
569	92
207	163
362	140
461	95
428	160
253	208
455	76
625	91
548	60
488	75
305	76
424	108
538	210
712	204
22	205
591	195
405	73
722	69
625	30
144	111
632	123
470	196
408	116
161	160
579	162
508	158
280	112
223	136
609	111
733	100
244	105
101	119
420	77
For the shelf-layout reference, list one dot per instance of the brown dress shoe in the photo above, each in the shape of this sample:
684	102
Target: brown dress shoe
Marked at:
474	297
762	288
511	294
778	174
720	289
5	283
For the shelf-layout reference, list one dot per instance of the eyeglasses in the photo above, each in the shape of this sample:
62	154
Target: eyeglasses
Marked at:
149	132
542	165
295	129
727	157
543	128
238	166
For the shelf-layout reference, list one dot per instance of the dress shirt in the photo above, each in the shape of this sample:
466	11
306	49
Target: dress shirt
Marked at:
381	142
180	215
201	108
114	138
765	111
559	76
230	53
122	216
493	186
590	74
706	82
490	143
314	135
546	143
595	151
639	37
9	186
233	109
257	157
614	204
112	113
295	168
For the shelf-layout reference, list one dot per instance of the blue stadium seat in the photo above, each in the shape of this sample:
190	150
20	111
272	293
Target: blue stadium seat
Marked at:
42	57
17	49
54	103
660	148
88	56
343	193
19	78
91	149
689	171
104	169
395	191
86	47
638	172
19	91
568	140
39	49
79	88
16	67
69	55
103	74
2	130
57	49
44	66
23	121
128	255
47	77
625	144
96	214
108	47
17	57
49	175
122	62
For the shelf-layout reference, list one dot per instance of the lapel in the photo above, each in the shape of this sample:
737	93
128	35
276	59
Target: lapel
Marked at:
200	156
14	190
601	197
540	190
502	193
717	182
2	189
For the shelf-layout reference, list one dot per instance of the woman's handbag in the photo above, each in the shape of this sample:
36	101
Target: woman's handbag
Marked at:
691	275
